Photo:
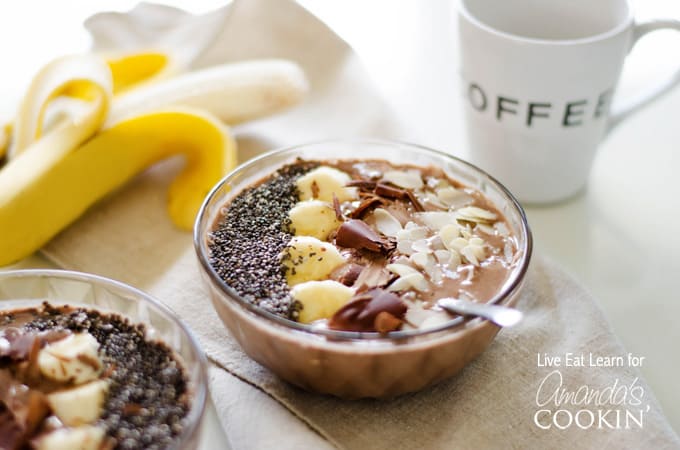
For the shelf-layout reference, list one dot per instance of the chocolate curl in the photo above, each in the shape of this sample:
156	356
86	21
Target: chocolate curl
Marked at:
358	235
374	310
365	206
387	191
363	185
336	208
347	274
414	200
22	342
373	276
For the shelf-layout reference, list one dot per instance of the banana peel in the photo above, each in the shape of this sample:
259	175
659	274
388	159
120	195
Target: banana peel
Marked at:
34	208
54	175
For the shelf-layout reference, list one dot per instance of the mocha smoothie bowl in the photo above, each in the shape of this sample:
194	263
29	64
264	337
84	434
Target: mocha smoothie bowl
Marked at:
90	363
326	261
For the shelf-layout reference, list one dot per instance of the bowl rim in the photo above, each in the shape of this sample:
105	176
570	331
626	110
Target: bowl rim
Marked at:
199	403
201	252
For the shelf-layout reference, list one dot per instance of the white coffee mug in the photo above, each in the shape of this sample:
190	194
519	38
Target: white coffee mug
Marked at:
538	78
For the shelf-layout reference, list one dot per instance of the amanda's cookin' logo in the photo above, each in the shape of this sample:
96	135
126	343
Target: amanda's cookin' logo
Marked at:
617	406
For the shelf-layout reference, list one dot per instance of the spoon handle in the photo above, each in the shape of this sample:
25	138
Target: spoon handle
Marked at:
500	315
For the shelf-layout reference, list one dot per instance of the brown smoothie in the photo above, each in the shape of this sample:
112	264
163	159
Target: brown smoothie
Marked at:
76	378
361	245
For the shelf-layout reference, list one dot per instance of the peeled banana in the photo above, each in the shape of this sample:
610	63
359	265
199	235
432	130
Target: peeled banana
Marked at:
74	358
234	93
321	183
79	405
42	191
313	218
320	299
87	437
307	259
55	172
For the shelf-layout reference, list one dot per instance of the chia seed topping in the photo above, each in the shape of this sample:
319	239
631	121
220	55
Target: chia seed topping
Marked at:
147	400
248	239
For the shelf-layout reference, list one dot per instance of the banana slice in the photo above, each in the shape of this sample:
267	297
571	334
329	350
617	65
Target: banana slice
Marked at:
320	299
322	182
80	405
73	358
306	258
79	438
313	218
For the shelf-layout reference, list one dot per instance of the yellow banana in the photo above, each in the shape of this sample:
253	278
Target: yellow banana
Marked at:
130	70
34	208
51	179
56	169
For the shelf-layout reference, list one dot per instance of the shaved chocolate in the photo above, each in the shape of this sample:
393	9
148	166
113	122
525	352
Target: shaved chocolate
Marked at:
365	206
363	185
387	191
358	235
336	208
20	342
347	274
414	200
374	275
361	313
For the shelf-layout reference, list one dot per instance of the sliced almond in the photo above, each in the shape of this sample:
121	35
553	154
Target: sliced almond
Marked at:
414	280
405	179
475	214
405	246
476	241
428	263
422	260
502	228
448	233
465	232
453	198
455	260
386	223
442	256
413	232
458	244
488	229
421	245
401	269
436	220
473	254
432	199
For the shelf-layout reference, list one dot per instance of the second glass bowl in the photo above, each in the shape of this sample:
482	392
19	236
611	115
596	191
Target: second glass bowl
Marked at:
30	288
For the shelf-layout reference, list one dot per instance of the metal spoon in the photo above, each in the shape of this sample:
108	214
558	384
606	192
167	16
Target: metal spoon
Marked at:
500	315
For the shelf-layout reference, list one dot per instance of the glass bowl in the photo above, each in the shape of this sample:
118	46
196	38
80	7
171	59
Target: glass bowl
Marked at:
29	288
354	364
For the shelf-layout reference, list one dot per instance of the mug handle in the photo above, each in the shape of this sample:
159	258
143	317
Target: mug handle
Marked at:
634	104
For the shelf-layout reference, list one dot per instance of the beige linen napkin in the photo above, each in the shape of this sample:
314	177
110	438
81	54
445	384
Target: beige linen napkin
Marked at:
493	401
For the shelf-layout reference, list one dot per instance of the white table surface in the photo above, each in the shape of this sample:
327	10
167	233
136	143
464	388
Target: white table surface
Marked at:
619	238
